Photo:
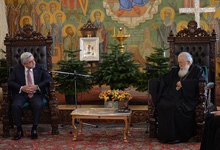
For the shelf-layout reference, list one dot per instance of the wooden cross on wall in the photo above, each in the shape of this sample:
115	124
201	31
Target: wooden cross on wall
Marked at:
196	10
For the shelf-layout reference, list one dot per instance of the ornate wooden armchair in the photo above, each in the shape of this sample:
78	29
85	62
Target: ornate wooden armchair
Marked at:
202	47
40	47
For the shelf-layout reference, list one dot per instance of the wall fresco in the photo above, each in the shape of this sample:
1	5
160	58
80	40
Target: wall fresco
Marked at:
147	21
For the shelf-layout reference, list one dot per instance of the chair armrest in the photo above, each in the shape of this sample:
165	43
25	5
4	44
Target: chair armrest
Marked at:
203	87
52	94
52	86
5	110
53	103
210	85
205	90
5	92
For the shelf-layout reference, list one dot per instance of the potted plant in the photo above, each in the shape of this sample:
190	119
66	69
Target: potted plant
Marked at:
116	68
65	82
115	98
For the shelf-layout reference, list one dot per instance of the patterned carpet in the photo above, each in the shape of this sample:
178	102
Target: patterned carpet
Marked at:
105	137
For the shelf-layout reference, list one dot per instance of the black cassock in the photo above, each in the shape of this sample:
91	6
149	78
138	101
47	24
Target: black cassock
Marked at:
176	115
211	134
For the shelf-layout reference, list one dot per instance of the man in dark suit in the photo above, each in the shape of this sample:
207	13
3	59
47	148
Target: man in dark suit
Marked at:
28	82
211	133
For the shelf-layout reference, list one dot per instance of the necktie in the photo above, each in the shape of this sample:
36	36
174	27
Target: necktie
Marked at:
29	82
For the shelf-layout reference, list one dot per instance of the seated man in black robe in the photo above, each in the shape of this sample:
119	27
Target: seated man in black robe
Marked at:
211	134
175	96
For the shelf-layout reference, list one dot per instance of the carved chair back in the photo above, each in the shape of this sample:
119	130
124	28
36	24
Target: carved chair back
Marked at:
28	40
200	44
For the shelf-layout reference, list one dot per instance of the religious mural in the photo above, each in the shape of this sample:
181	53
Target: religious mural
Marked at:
147	21
131	13
167	15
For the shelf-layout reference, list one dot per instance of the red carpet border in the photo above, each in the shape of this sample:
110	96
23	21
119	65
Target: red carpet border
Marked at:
105	137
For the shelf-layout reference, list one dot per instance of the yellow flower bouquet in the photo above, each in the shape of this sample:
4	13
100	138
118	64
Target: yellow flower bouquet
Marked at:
115	95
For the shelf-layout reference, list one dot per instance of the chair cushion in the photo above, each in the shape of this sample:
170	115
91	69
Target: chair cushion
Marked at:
206	71
44	104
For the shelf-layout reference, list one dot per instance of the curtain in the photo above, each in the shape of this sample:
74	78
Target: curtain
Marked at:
3	26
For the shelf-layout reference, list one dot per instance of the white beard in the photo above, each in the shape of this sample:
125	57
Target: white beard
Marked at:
184	71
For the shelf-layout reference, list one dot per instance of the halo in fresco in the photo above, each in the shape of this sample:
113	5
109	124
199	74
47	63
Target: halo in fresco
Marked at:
203	25
181	25
215	15
22	19
92	15
213	2
63	16
38	7
73	28
54	2
184	24
45	13
169	8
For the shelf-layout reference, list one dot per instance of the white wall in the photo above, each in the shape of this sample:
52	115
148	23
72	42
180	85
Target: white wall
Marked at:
3	25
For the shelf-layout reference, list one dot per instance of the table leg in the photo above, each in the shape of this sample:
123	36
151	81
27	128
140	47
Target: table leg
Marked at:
129	123
125	129
75	129
80	126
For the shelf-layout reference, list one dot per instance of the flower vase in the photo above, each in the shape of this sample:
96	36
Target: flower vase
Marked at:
122	105
111	104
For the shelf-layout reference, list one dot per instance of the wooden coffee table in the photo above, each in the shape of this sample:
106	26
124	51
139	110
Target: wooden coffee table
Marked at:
100	113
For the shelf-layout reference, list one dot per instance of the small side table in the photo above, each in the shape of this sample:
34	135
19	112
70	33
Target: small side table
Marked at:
100	113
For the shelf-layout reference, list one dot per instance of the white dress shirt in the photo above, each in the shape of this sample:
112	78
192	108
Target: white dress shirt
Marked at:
32	78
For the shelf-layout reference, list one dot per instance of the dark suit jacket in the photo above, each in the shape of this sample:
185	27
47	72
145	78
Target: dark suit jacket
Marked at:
17	79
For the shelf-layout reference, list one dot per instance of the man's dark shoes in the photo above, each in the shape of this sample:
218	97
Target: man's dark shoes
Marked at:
163	141
34	133
18	135
174	142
